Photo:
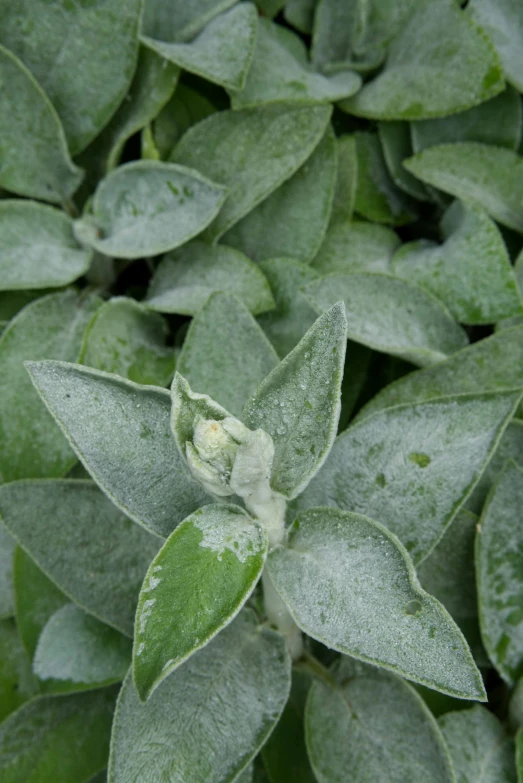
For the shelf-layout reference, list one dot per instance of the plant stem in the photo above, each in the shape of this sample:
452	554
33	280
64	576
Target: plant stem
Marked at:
279	616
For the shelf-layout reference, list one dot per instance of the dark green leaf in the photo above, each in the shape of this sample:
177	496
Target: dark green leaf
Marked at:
178	20
356	247
17	683
7	548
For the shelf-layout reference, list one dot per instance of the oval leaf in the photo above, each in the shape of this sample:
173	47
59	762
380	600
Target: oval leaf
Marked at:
177	20
502	20
355	246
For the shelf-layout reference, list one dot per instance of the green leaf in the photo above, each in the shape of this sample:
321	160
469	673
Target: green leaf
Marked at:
502	20
489	176
396	145
121	432
226	354
77	652
390	315
50	328
519	755
35	158
413	466
478	746
71	47
55	726
251	152
7	548
497	122
300	14
346	180
227	699
87	547
177	20
356	247
350	584
37	247
439	63
221	53
185	278
369	721
281	71
185	108
17	683
147	207
36	597
470	272
298	404
293	315
499	570
126	339
293	220
195	586
510	447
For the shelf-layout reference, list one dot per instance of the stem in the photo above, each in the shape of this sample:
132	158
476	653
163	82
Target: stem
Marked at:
312	665
279	616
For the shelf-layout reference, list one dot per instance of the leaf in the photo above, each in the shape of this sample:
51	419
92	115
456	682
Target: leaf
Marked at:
502	20
7	548
497	122
499	560
281	71
221	53
439	63
147	207
34	163
298	404
17	683
177	20
195	586
390	315
347	179
293	220
53	41
185	108
228	697
293	315
356	247
300	13
396	145
77	652
478	746
87	547
225	354
185	278
251	152
126	339
510	447
488	176
37	247
368	721
49	328
470	272
121	432
519	755
52	725
413	466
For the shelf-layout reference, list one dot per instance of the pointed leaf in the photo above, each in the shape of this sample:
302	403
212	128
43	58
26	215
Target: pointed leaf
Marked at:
356	247
177	20
17	682
502	20
298	404
396	144
349	583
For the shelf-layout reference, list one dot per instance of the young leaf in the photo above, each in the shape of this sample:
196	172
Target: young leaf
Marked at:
221	53
346	180
34	163
502	20
228	697
121	432
281	71
390	315
50	328
186	108
439	63
499	573
293	220
195	586
177	20
258	149
489	176
470	272
479	747
349	583
56	40
396	144
95	555
298	404
369	721
413	466
509	447
126	339
17	683
147	207
356	247
53	724
37	247
7	548
225	353
77	652
185	278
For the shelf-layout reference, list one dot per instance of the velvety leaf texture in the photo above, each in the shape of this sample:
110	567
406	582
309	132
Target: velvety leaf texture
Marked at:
355	246
503	23
177	20
17	682
7	548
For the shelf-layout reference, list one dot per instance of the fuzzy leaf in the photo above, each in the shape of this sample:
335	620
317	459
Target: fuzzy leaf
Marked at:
300	14
502	20
177	20
298	404
7	549
17	682
396	145
228	697
509	447
346	180
138	466
356	247
186	108
195	586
